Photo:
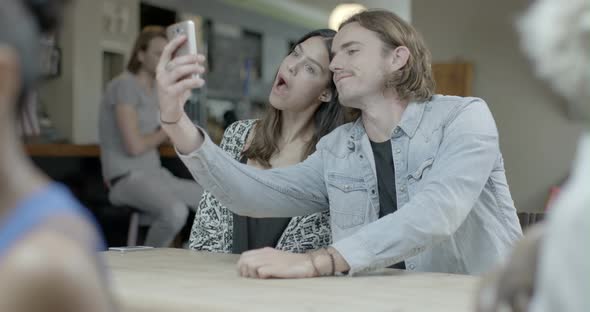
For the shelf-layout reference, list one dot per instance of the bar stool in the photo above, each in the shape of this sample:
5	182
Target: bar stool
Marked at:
137	219
528	219
133	228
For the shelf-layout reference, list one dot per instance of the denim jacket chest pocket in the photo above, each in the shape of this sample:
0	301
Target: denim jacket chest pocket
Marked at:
423	152
348	198
417	175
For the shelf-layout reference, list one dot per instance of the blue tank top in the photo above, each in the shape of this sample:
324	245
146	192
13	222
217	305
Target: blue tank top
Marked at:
51	201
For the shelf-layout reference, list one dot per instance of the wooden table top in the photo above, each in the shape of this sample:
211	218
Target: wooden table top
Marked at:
183	280
78	150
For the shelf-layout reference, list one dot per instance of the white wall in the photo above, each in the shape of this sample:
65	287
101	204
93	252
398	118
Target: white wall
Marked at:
317	12
403	8
537	140
73	99
56	95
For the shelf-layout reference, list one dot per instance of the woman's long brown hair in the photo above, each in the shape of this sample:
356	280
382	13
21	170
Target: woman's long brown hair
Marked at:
268	129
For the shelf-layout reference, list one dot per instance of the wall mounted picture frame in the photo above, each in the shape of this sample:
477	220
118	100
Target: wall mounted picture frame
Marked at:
50	57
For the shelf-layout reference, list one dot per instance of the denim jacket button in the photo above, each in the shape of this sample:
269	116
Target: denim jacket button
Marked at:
397	151
412	266
350	145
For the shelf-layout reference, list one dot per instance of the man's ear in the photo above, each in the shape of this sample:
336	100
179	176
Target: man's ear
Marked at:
326	95
400	57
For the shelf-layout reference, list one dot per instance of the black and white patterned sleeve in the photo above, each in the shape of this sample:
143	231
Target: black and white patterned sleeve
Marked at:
212	228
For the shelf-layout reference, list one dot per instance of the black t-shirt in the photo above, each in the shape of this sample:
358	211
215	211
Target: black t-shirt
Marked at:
253	233
386	182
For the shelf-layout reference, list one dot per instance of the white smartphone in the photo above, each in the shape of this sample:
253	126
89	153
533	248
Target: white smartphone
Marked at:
130	248
186	28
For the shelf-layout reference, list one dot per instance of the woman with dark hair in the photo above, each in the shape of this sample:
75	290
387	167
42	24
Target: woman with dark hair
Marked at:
48	240
303	108
129	135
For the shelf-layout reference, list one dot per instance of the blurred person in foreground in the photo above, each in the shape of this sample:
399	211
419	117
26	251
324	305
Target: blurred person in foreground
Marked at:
550	268
48	240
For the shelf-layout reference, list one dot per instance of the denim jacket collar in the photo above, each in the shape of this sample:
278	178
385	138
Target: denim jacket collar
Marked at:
409	123
412	117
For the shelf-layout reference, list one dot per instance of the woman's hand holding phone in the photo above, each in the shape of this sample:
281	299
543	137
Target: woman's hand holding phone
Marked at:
176	77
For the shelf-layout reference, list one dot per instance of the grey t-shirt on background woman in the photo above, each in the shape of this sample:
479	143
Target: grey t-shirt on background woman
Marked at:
126	90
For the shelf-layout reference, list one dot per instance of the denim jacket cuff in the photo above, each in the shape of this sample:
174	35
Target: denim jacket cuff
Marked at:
202	165
356	252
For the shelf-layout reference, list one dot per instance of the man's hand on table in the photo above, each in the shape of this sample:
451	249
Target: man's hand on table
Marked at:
269	262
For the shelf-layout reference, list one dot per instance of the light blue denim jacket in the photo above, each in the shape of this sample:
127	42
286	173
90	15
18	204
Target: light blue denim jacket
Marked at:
455	213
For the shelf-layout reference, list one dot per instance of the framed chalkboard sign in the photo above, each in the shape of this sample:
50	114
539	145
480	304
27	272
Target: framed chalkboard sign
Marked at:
50	57
235	60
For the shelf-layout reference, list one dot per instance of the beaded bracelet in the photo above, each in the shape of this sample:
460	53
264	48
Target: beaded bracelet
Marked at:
333	270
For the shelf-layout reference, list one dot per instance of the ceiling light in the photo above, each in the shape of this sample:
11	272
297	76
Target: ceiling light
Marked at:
343	11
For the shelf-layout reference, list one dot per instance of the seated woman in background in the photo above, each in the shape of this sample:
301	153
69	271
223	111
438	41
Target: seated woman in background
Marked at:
48	241
303	108
129	135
